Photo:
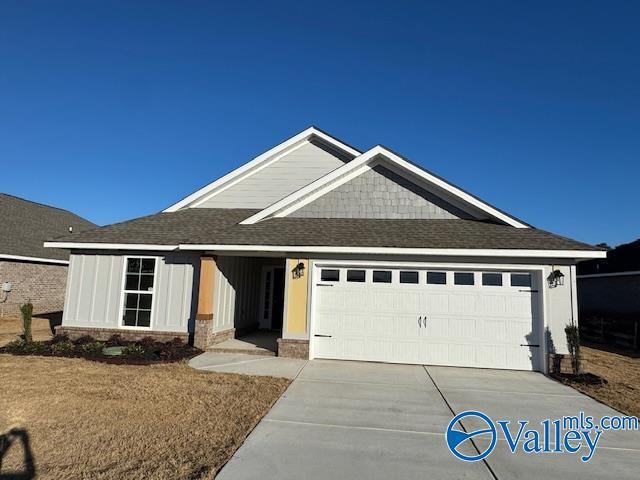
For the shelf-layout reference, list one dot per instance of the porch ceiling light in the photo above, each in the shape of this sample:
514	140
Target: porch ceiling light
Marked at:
298	270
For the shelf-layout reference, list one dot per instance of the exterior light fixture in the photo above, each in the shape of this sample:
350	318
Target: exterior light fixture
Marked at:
555	279
298	270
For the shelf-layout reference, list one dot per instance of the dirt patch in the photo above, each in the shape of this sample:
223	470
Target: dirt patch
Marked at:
94	420
621	375
11	329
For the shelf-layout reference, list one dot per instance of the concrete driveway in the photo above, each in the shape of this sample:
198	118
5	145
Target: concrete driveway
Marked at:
378	421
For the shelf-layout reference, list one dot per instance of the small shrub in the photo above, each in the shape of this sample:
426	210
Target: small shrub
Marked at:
60	338
134	350
26	311
63	349
92	349
15	346
147	342
22	347
84	339
573	343
115	341
38	348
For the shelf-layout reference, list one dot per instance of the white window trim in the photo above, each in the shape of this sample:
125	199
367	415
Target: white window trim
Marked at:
123	293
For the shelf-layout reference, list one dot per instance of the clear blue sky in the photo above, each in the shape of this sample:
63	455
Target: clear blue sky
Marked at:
118	109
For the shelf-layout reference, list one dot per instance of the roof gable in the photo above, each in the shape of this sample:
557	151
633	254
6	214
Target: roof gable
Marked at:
380	193
379	155
326	152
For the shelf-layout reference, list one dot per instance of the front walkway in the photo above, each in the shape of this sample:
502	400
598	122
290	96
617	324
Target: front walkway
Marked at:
377	421
248	364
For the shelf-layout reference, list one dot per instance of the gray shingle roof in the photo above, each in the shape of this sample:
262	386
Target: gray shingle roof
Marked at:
25	225
220	226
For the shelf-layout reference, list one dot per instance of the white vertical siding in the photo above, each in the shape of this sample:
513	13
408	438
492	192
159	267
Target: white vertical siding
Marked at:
561	309
95	286
277	180
236	292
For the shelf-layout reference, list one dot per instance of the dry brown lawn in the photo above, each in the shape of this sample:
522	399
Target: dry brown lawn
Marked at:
11	329
621	371
89	420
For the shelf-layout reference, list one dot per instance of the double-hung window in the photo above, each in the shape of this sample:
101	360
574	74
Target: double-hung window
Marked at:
138	292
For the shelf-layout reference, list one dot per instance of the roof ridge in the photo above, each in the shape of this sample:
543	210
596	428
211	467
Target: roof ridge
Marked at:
43	205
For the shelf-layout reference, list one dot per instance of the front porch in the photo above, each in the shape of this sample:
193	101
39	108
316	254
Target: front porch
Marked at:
261	342
252	305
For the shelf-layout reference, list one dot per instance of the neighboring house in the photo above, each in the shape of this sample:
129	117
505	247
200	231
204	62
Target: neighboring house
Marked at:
36	274
609	296
349	254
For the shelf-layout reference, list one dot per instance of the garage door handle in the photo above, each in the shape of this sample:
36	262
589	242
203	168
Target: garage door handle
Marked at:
420	321
324	284
323	336
528	345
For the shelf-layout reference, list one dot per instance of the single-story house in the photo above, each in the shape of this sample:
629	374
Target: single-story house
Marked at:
611	287
28	271
346	254
609	296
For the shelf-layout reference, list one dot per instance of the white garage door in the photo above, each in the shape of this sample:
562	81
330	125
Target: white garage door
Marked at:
486	319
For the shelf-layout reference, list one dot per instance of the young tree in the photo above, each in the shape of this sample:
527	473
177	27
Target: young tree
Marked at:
573	343
27	311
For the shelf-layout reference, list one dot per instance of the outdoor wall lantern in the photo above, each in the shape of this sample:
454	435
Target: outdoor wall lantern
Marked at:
298	271
555	279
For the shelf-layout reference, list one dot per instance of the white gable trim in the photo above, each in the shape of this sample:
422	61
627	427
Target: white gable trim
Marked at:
316	189
258	163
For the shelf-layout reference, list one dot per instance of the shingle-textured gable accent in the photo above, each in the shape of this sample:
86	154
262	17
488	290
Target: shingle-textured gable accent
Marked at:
379	193
25	225
200	226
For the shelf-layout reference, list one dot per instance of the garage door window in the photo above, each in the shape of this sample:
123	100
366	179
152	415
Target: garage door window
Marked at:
408	277
437	278
355	275
492	279
520	280
463	278
329	275
381	276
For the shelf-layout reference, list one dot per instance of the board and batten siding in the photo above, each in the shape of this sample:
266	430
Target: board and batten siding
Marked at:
236	293
284	176
95	285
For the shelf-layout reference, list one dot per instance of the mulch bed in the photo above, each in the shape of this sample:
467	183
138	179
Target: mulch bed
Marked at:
581	379
145	352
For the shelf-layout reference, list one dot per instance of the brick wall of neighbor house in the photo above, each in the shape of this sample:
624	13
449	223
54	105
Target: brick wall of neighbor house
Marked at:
42	284
379	193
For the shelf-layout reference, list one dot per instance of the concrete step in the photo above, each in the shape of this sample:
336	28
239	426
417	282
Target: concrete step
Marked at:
242	350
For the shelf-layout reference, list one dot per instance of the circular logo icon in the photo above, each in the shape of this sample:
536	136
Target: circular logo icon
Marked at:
457	437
